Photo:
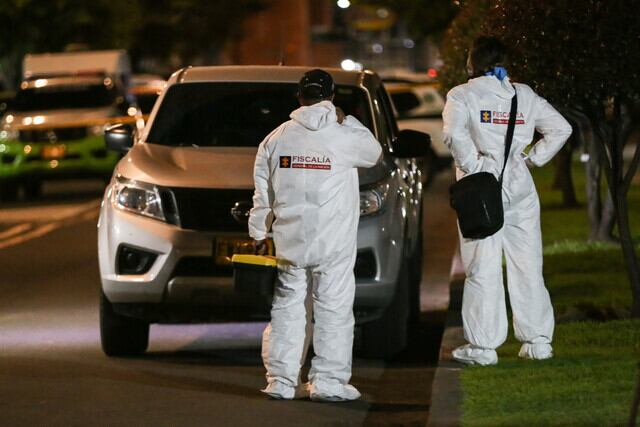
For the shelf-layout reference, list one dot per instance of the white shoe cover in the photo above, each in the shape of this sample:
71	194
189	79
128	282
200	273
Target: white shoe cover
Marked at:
278	390
325	391
470	355
536	351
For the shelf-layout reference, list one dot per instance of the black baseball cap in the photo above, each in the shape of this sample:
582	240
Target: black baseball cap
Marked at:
316	84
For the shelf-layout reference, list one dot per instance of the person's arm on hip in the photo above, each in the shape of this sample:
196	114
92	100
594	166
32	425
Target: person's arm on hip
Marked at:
457	137
555	131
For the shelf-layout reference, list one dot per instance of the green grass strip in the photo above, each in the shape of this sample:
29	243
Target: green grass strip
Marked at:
589	382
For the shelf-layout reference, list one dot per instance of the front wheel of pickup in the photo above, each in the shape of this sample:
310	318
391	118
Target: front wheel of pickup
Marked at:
121	335
385	337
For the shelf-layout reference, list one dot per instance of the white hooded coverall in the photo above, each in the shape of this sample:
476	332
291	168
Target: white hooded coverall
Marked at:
475	123
305	176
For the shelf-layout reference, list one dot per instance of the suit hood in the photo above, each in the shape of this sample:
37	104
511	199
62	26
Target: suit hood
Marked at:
316	116
491	84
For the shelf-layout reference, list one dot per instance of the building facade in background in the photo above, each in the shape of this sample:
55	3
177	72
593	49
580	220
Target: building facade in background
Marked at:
283	31
323	34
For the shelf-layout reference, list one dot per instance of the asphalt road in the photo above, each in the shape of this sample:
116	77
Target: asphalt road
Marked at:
53	372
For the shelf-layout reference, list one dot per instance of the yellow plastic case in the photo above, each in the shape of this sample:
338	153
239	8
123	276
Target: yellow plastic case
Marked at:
254	274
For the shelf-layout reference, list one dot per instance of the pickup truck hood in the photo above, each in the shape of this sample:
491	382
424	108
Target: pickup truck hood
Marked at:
195	167
204	167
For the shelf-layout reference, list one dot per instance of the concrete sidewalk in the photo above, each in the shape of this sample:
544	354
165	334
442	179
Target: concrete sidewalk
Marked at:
446	394
440	243
442	291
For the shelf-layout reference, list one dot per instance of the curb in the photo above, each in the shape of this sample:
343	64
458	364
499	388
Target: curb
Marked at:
446	394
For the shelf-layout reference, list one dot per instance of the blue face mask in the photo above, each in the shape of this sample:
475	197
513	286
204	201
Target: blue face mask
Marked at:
499	72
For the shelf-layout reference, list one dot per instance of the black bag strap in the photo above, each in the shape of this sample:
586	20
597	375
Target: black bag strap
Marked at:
510	129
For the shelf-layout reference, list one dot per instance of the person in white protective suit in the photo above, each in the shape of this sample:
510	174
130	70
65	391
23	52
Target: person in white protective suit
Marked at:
475	116
306	177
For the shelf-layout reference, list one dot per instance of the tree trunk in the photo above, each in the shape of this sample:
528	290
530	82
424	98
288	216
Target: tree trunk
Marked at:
607	221
601	216
594	204
628	250
619	184
562	178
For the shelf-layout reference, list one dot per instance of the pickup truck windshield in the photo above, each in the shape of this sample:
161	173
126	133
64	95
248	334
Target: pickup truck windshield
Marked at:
63	97
236	114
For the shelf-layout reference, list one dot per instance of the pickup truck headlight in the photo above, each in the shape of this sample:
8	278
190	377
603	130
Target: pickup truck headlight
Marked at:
372	200
137	197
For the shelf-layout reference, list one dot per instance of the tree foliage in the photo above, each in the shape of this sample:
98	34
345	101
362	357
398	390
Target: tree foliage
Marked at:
42	26
584	56
466	26
423	17
188	29
571	52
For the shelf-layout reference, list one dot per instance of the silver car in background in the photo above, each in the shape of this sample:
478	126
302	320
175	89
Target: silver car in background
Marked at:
419	107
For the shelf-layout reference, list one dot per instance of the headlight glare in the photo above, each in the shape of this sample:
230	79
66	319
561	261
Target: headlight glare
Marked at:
137	197
9	135
96	130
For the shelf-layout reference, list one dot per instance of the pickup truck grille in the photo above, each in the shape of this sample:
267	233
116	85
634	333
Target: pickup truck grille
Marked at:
204	209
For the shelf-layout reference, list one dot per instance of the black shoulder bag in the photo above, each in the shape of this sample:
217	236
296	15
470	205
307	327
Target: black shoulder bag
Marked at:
477	198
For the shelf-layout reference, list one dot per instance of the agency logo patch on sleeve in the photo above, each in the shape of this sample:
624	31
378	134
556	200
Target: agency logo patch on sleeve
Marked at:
485	116
285	161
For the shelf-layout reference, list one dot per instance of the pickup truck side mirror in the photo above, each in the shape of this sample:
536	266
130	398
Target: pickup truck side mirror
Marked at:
411	143
119	137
